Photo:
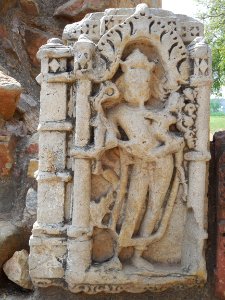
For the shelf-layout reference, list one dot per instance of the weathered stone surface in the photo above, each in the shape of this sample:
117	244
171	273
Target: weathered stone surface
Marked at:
16	269
7	147
10	91
28	107
7	193
102	246
30	210
15	128
32	146
34	39
30	7
6	5
32	167
10	239
25	103
3	31
127	118
75	9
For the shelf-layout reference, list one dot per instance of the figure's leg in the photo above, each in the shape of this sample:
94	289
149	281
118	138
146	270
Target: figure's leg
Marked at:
159	180
181	173
138	188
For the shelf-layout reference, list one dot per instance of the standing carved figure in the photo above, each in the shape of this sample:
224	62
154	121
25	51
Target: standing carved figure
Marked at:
123	154
148	147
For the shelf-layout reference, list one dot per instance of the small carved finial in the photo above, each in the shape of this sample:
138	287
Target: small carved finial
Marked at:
83	39
83	52
140	8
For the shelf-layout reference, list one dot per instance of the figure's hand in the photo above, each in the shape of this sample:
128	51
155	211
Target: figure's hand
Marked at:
138	150
177	144
129	147
111	143
150	115
93	152
83	152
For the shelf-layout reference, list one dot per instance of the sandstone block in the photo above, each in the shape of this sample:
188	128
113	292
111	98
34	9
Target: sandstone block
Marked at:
10	91
52	251
32	145
49	193
54	96
3	31
30	210
75	9
30	7
25	103
16	269
7	146
32	167
10	240
28	107
34	39
32	148
6	5
52	155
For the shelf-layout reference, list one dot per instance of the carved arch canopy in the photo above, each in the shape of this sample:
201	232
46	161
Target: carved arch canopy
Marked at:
143	27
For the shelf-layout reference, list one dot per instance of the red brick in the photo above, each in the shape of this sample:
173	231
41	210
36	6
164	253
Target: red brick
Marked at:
219	141
32	149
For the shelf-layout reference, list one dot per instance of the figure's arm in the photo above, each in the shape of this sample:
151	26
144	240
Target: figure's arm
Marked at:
112	132
156	116
174	146
106	130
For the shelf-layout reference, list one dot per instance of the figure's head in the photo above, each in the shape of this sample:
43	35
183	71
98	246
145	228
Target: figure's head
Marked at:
137	77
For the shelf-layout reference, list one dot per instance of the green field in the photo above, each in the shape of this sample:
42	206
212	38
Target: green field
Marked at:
217	123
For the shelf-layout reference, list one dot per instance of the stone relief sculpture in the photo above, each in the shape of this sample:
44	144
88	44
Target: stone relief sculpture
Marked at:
123	152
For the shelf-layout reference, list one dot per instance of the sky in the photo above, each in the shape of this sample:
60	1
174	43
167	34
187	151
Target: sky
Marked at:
186	7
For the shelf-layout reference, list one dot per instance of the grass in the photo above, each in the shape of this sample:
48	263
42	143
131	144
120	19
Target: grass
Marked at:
217	123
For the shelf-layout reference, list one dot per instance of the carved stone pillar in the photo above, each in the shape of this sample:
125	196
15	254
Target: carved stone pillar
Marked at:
48	231
79	233
200	56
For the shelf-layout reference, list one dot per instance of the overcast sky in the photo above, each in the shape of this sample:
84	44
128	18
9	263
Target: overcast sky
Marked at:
186	7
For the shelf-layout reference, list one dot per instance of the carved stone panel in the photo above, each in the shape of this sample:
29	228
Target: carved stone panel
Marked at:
123	154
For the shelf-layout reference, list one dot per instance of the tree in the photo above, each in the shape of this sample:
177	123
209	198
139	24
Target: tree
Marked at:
213	16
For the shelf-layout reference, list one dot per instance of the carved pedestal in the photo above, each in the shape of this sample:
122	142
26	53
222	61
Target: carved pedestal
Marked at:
124	128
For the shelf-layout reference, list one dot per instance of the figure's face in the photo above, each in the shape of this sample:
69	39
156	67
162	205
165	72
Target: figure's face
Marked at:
137	85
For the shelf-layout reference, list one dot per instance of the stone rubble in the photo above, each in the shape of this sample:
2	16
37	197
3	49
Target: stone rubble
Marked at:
16	269
10	91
